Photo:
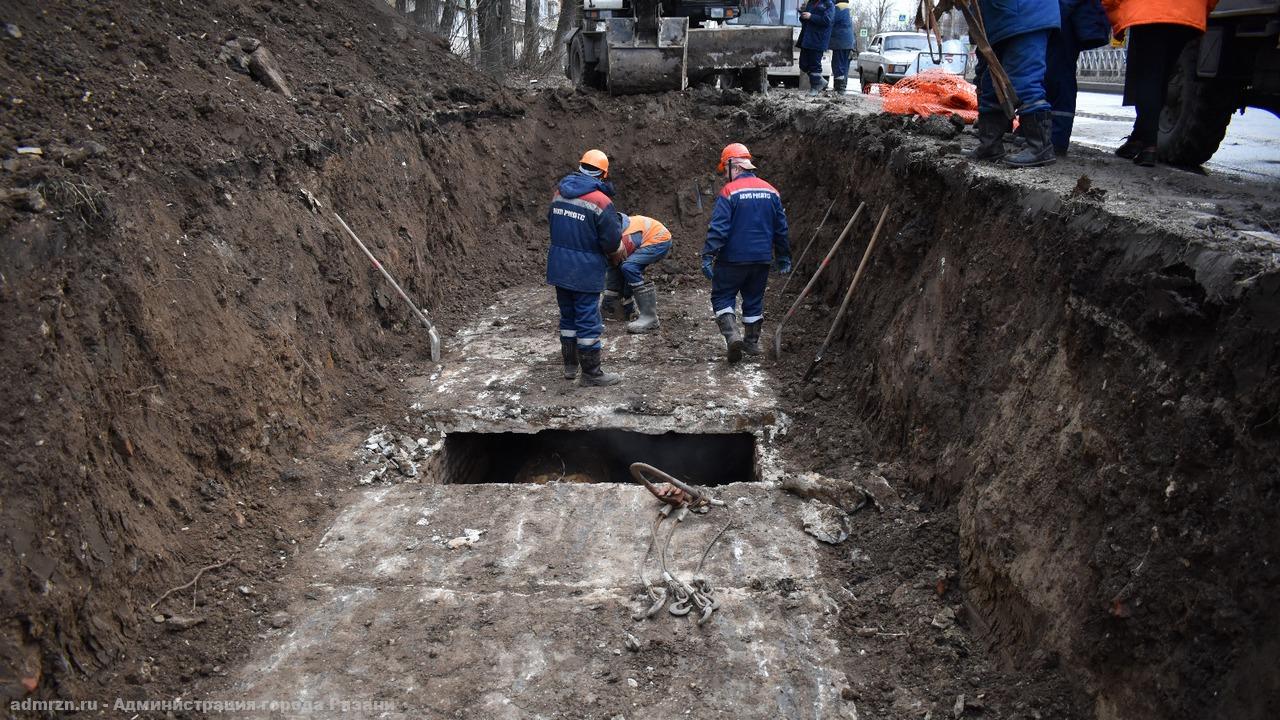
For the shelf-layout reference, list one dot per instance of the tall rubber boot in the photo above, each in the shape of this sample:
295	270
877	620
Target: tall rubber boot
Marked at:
991	127
841	84
646	297
817	84
728	323
611	307
592	375
569	354
751	337
1037	128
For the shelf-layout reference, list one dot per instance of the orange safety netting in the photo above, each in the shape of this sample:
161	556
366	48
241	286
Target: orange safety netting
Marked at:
932	92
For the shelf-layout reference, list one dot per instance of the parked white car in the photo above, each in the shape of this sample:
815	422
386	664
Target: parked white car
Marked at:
891	56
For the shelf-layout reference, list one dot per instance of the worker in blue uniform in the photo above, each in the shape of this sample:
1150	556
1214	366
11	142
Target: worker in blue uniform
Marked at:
815	33
584	233
841	45
1018	31
1084	27
748	231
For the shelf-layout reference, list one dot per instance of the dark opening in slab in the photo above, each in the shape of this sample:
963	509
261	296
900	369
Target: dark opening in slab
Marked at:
593	456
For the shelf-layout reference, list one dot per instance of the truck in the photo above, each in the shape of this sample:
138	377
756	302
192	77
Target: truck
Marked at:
1234	65
649	46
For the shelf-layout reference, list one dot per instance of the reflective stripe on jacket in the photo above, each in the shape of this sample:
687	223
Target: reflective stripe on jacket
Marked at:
748	224
641	231
584	232
1124	14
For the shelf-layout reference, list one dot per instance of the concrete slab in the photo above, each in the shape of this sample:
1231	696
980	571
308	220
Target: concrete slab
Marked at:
530	620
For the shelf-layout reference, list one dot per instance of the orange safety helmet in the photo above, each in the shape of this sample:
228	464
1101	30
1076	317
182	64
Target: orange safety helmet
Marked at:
734	151
596	159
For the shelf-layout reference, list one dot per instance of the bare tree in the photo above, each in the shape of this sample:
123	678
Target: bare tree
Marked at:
448	18
489	20
472	46
566	21
873	14
532	20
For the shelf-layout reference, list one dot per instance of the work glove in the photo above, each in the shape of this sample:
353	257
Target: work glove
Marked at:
706	266
782	264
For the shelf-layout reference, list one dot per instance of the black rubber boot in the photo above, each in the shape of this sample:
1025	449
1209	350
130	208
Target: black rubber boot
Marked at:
751	337
592	375
1146	157
611	307
991	127
646	297
728	323
1037	128
569	354
841	84
1130	149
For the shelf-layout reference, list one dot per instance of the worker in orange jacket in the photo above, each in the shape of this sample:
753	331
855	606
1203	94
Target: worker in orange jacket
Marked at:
645	241
1158	31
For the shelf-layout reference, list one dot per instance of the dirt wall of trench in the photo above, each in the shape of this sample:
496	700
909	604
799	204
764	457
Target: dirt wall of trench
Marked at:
1096	397
187	338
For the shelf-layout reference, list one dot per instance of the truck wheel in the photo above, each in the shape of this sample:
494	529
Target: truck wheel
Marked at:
578	69
1196	112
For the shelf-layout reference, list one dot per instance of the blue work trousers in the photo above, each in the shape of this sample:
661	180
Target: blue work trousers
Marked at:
728	281
1060	84
580	317
840	63
811	61
632	269
1023	59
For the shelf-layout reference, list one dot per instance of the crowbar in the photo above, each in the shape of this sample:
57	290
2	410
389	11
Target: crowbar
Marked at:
808	374
805	252
777	334
431	329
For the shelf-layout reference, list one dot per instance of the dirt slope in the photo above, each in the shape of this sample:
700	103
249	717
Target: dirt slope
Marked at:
1097	396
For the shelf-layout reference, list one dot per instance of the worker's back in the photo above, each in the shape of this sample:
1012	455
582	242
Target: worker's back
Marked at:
749	219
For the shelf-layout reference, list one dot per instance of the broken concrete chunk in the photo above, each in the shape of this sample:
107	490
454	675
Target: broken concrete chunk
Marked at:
263	68
826	522
468	538
280	620
183	622
843	494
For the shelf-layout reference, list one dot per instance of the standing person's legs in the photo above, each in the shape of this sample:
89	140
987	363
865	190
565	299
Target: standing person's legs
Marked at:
568	333
1153	53
992	123
753	287
840	69
588	326
811	64
1060	87
1024	59
726	282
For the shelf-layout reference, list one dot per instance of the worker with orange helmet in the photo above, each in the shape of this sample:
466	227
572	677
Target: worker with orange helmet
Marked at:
645	241
584	233
748	231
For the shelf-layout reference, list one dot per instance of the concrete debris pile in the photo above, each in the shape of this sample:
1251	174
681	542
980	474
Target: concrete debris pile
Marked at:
387	449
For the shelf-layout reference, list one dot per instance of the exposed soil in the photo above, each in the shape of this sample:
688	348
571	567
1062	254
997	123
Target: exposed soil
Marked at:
1078	387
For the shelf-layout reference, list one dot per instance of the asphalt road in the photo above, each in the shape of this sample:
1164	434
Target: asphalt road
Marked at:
1251	148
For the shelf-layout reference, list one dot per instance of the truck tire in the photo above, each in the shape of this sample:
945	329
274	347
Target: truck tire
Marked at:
581	72
1196	112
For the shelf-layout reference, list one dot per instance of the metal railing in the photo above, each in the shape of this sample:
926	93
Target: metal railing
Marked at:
1103	64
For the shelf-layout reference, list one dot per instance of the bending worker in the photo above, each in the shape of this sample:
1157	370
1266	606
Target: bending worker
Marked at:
645	241
584	233
748	230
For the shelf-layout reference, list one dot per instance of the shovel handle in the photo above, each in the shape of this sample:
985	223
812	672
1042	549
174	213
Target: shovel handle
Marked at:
844	305
777	334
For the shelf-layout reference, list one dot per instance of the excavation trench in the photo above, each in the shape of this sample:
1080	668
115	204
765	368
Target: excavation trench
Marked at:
1066	414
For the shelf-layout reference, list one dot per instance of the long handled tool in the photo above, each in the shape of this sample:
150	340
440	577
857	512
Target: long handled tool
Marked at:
777	335
848	295
431	329
805	252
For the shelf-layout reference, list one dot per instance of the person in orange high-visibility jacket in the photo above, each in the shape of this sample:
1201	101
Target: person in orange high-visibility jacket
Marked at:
1158	31
645	241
